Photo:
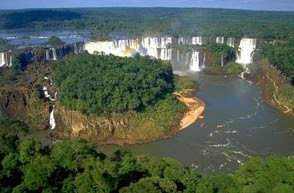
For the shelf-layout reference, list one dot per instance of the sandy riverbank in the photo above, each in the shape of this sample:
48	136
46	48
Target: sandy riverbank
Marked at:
195	106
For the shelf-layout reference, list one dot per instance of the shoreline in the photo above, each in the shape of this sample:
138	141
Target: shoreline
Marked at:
196	108
270	81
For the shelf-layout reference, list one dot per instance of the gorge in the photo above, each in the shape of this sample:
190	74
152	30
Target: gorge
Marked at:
226	148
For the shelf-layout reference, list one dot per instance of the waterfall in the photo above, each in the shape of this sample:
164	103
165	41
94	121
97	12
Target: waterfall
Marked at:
118	47
187	62
76	50
220	40
2	59
194	64
47	55
54	53
52	122
197	40
246	51
165	54
10	61
182	41
222	60
231	42
204	60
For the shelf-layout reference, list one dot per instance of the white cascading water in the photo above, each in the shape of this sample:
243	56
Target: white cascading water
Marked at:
220	40
10	61
204	60
195	62
246	51
117	47
165	54
3	61
76	50
182	41
152	46
197	40
231	42
54	53
47	55
52	122
187	62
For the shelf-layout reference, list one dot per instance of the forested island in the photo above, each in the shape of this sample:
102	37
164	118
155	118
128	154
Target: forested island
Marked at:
134	94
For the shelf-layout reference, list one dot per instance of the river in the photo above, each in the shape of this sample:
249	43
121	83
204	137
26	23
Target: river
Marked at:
250	128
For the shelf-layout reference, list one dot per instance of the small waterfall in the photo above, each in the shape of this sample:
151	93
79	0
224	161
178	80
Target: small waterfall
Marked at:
246	51
165	54
47	54
2	59
52	122
204	60
194	64
10	61
220	40
231	42
187	62
54	53
222	60
76	50
183	41
197	40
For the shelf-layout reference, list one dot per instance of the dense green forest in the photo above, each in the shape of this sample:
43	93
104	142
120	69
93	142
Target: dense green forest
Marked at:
281	55
77	166
121	22
21	19
102	84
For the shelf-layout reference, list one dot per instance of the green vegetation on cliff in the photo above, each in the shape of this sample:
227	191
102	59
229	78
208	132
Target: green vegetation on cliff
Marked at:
221	53
122	100
281	55
75	166
5	45
275	74
277	89
102	84
55	41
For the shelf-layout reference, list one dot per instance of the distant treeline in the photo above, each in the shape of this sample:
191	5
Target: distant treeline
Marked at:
27	19
107	23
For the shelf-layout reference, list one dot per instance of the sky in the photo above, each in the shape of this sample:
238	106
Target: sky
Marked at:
277	5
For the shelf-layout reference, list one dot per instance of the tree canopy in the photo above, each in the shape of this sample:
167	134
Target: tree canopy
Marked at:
102	84
55	41
76	166
126	22
281	55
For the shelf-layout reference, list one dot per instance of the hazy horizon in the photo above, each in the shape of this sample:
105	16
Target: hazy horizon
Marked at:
265	5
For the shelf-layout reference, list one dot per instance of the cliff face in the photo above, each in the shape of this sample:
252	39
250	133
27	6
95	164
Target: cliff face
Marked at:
23	103
73	124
